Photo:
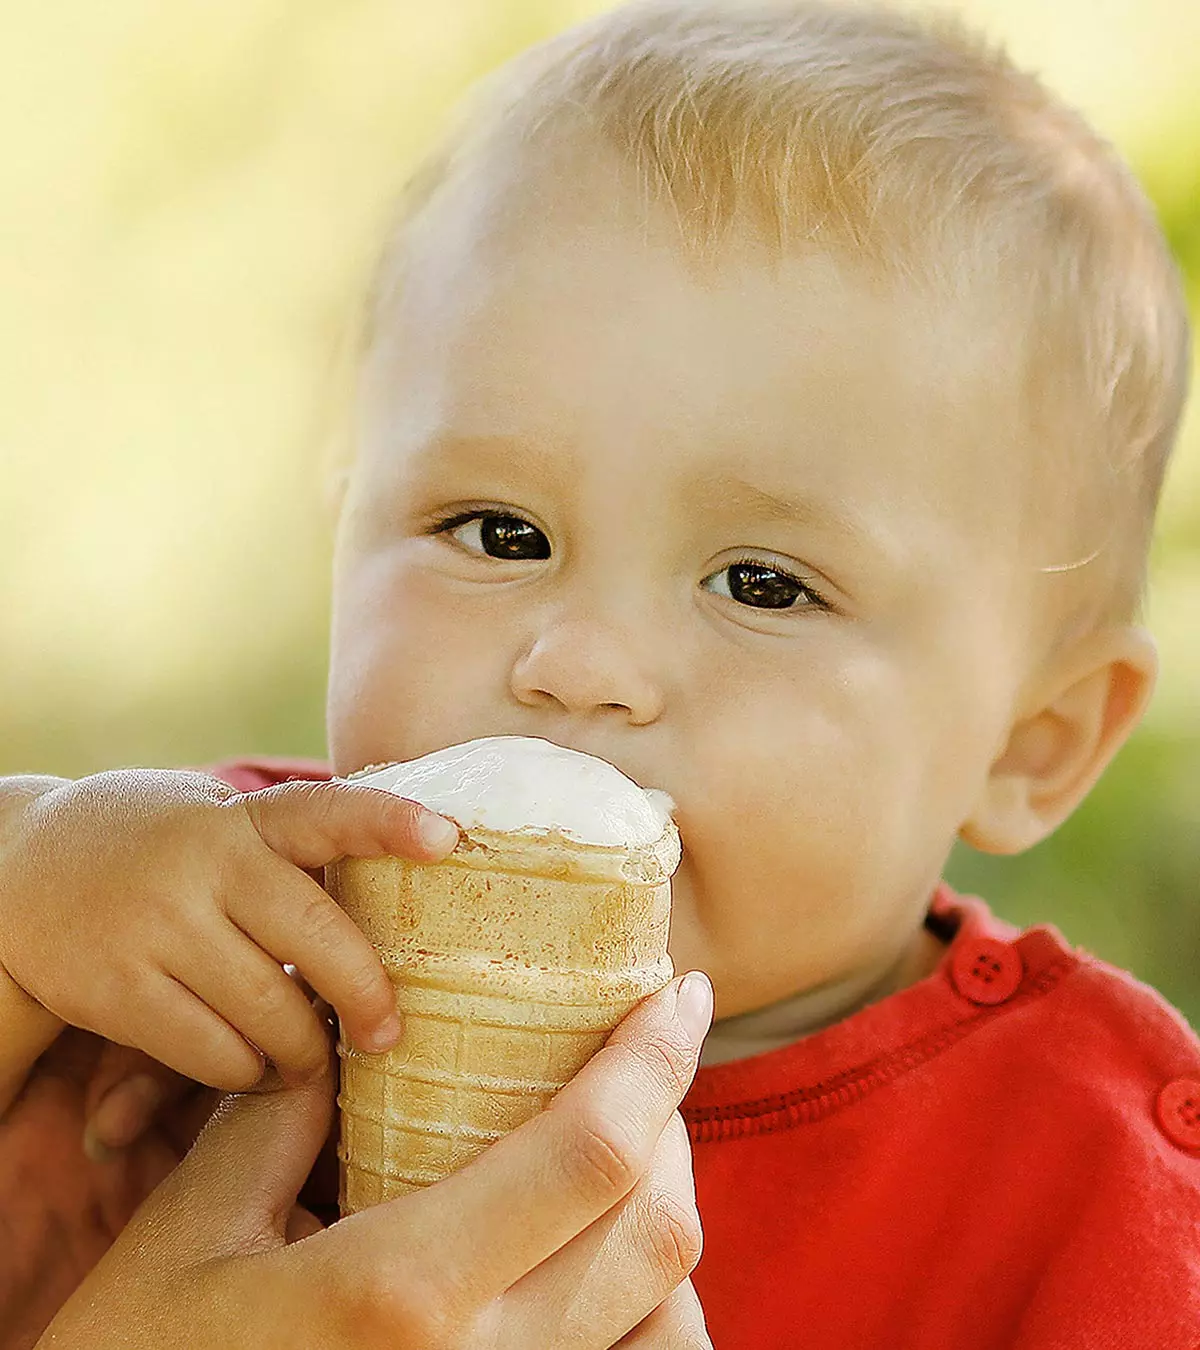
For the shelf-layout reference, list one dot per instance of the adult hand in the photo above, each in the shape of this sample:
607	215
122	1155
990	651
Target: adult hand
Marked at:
577	1230
61	1205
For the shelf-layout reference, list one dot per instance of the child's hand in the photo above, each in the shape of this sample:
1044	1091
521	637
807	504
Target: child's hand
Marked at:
158	908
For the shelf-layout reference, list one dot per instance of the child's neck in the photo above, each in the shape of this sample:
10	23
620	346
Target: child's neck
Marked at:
779	1024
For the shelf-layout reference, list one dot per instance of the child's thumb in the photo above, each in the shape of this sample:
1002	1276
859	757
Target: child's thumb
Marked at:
236	1189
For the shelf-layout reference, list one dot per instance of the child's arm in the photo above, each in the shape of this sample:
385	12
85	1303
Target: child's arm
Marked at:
26	1028
158	909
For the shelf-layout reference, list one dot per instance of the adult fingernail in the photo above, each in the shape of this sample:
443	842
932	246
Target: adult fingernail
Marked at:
437	834
694	1005
122	1114
94	1150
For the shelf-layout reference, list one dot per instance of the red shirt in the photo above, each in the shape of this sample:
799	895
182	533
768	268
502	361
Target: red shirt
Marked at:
1004	1156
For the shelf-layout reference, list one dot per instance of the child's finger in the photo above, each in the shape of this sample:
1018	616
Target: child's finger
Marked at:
304	927
311	824
253	993
299	981
187	1035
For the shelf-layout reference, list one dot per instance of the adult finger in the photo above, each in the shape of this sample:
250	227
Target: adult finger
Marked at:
237	1188
568	1165
126	1091
311	824
302	1223
299	924
114	1065
676	1324
122	1115
609	1278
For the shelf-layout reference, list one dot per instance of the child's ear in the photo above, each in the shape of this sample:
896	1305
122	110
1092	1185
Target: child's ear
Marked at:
1075	721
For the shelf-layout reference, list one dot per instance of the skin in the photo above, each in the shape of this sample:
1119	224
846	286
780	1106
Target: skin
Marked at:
562	367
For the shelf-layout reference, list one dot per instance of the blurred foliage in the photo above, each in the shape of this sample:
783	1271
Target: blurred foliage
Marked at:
194	193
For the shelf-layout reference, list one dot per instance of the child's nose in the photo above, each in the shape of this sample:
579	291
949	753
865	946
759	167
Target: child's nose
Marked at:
584	667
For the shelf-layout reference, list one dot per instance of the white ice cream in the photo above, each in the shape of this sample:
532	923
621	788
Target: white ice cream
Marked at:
523	783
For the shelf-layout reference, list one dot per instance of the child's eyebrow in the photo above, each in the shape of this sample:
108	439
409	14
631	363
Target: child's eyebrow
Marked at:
497	449
712	493
729	495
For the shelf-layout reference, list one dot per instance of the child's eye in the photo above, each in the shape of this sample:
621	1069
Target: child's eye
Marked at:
496	535
761	587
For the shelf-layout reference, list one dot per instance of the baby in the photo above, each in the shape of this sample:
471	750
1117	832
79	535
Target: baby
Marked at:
772	400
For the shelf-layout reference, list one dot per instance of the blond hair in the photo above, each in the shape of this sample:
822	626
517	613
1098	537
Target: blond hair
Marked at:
911	147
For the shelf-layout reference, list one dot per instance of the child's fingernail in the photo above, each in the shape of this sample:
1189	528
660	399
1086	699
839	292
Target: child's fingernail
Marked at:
385	1035
122	1114
437	833
694	1004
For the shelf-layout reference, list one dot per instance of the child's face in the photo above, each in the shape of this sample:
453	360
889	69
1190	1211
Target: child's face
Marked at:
745	534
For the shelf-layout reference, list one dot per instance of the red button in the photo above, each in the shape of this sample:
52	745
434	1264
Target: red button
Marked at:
1178	1112
986	970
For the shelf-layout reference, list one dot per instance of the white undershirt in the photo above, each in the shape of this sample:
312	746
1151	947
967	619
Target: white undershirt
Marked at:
791	1019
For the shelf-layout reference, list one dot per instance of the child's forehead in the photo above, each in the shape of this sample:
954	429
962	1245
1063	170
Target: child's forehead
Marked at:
547	323
590	255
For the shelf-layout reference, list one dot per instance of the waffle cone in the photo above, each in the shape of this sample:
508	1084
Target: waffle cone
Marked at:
512	961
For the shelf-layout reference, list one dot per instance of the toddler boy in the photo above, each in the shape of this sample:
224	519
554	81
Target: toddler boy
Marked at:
773	400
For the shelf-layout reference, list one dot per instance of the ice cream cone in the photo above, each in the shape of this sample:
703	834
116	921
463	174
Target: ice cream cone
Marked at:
512	960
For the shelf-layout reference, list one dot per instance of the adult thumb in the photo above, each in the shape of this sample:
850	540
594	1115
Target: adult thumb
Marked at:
236	1189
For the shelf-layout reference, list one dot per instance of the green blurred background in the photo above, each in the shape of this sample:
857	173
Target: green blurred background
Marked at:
193	195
